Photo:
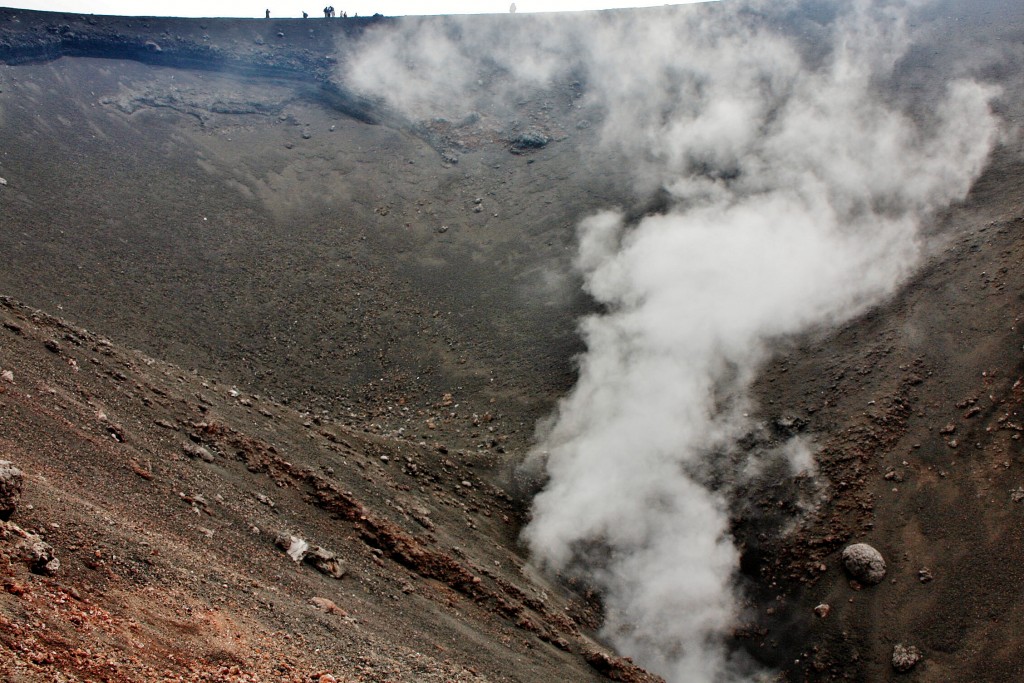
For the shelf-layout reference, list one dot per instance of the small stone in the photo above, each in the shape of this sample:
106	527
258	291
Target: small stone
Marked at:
196	451
7	376
293	545
306	135
11	479
3	182
325	562
948	429
864	563
822	610
924	575
326	605
39	555
904	657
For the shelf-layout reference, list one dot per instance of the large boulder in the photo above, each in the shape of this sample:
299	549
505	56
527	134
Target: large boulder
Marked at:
864	563
10	488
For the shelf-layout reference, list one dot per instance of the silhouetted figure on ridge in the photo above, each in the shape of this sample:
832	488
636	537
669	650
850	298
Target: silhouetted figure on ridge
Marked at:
268	14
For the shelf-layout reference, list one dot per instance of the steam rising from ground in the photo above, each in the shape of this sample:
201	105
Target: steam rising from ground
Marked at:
797	193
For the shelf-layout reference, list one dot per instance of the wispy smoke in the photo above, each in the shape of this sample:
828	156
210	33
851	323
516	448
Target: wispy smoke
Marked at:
797	193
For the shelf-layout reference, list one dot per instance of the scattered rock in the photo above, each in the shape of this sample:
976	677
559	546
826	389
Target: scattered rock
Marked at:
294	546
904	657
619	668
325	562
1017	494
7	376
52	346
11	479
528	141
321	559
266	500
138	469
3	182
924	575
38	554
788	425
306	135
326	605
893	475
822	610
449	157
948	429
864	563
194	450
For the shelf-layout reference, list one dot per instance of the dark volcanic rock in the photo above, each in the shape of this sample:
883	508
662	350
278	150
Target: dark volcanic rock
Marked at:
528	141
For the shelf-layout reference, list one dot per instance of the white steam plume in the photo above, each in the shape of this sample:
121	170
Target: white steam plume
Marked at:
797	194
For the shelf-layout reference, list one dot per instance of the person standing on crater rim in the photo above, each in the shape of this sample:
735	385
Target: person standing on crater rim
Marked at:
268	14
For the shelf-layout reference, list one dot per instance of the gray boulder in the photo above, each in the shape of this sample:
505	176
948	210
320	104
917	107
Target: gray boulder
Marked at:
864	563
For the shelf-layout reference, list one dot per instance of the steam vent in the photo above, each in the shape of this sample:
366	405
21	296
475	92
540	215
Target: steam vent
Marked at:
514	348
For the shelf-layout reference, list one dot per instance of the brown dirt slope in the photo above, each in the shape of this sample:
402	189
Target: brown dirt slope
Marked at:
163	495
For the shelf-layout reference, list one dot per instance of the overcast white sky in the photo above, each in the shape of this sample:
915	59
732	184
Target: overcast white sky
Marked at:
294	8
